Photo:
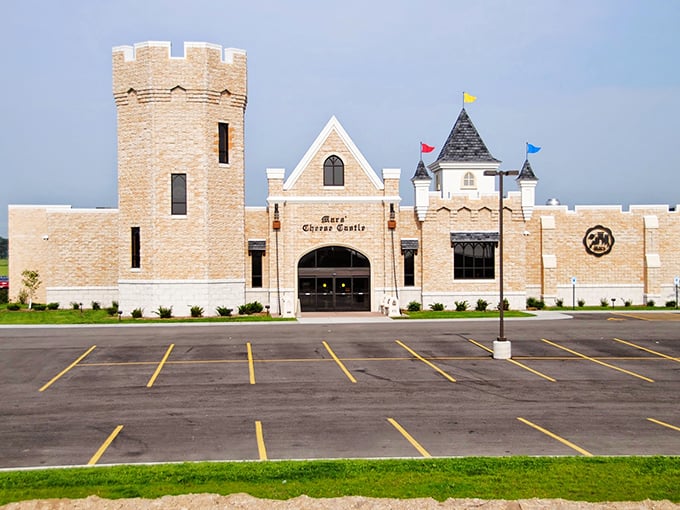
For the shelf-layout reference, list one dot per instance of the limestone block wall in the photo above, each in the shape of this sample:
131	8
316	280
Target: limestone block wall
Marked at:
75	252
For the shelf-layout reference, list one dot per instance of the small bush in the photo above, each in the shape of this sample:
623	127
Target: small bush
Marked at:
13	306
532	302
137	313
250	308
628	303
96	305
506	305
53	306
22	296
4	295
651	303
197	311
559	303
604	302
461	306
581	303
482	305
75	306
164	312
111	311
223	311
437	307
670	304
413	306
39	306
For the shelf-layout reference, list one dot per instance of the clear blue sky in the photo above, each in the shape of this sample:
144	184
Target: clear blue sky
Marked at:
595	83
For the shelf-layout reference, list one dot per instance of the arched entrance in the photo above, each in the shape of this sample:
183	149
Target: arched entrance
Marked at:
334	279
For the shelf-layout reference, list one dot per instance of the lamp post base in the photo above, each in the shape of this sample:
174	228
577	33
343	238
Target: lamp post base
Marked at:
501	349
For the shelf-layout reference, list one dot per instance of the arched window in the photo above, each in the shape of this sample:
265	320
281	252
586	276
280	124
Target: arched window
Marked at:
469	180
333	172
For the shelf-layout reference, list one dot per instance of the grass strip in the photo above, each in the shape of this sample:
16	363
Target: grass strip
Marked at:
450	314
593	479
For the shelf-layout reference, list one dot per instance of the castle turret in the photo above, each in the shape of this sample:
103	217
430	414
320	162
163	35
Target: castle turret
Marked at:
459	168
527	181
180	175
421	185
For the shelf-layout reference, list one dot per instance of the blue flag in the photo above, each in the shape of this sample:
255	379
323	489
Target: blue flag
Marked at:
532	149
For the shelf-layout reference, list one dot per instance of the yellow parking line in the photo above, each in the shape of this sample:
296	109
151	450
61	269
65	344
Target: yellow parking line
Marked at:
575	353
261	450
432	365
517	363
664	424
251	366
104	446
556	437
56	377
340	363
409	438
160	366
647	350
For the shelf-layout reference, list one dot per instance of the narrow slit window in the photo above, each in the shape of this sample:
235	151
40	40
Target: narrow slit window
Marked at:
256	269
135	248
223	129
409	268
179	194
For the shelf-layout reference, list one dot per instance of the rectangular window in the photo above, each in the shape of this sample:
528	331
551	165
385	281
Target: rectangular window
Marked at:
224	142
135	247
256	268
179	193
409	268
474	260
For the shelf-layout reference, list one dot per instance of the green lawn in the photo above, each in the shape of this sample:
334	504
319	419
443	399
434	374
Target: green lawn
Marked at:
4	270
449	314
572	478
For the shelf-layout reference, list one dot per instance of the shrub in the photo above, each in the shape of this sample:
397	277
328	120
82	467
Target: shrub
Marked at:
532	302
197	311
53	306
164	312
627	303
96	305
413	306
604	302
506	305
223	311
22	296
581	303
559	303
75	306
137	313
13	306
461	306
670	304
38	306
111	311
250	308
4	295
481	305
437	307
651	303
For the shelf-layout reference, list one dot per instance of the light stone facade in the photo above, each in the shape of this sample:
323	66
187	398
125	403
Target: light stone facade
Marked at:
169	109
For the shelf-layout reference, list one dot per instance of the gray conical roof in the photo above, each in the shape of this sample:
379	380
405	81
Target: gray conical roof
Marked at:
421	173
465	144
526	174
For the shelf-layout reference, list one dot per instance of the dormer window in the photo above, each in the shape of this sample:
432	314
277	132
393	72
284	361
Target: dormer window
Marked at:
469	181
333	172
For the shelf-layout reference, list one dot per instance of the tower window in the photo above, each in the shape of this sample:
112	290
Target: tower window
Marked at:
179	193
135	247
223	129
333	172
469	180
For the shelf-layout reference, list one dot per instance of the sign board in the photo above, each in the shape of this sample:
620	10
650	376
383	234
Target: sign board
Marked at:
573	280
677	281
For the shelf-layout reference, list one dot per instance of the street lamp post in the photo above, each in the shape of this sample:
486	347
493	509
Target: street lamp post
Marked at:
501	346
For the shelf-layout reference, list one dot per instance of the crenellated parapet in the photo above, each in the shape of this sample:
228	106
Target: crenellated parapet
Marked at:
147	72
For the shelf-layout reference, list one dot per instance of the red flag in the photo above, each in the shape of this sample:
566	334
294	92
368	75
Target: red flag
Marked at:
425	148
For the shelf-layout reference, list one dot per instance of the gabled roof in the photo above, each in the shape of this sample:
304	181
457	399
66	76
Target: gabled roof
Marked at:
333	125
526	174
464	144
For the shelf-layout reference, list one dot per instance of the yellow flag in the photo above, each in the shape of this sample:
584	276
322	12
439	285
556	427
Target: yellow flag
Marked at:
469	98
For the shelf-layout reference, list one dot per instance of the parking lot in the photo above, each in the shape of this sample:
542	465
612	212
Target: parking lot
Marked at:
599	384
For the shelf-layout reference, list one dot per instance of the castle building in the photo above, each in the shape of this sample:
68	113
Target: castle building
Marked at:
333	234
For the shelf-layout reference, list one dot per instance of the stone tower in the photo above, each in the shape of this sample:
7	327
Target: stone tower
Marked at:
181	180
